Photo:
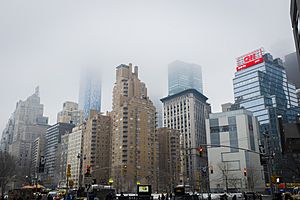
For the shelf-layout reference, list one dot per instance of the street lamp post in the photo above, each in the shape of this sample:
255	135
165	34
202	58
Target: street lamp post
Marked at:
269	161
268	154
80	177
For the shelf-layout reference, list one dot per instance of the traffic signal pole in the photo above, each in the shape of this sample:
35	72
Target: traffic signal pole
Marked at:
267	154
269	163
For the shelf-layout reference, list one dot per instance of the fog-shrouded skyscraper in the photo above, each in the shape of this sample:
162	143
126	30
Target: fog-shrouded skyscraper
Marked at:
261	86
292	69
25	125
294	13
134	139
183	76
90	91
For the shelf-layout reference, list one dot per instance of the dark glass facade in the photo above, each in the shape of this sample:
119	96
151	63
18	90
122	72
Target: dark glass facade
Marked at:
264	90
292	69
295	18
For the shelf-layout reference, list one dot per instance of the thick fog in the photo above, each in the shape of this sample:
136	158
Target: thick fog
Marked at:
46	43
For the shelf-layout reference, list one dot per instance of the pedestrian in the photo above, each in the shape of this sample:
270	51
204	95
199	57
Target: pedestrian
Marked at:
159	197
245	196
209	197
234	197
167	196
121	196
109	196
162	197
171	195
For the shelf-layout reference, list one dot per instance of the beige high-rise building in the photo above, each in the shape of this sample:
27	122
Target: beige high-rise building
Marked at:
73	155
70	114
186	111
62	158
97	147
134	139
169	159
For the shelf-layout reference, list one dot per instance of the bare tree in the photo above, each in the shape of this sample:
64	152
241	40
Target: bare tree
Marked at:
254	177
7	170
228	177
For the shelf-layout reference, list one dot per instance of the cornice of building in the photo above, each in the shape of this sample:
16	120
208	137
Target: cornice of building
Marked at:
188	91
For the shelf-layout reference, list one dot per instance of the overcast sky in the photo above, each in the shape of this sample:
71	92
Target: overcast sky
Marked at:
46	43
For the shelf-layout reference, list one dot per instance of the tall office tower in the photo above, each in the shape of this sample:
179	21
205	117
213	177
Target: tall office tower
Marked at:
261	86
25	125
159	114
298	96
75	140
90	91
292	69
294	12
291	150
186	111
183	76
234	169
7	135
134	143
38	156
53	152
63	156
70	114
96	151
169	159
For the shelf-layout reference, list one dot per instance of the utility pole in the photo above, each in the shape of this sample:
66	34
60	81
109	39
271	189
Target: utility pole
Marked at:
269	161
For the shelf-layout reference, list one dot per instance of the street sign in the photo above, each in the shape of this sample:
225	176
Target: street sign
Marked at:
89	188
88	180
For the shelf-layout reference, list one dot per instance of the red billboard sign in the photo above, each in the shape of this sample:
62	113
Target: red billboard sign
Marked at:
249	59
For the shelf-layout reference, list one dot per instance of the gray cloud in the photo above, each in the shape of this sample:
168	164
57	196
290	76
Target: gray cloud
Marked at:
47	42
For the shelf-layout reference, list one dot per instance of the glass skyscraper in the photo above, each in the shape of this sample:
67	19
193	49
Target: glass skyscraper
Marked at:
183	76
90	91
261	86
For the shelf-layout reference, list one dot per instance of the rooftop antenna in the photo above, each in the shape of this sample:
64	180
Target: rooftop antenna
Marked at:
37	90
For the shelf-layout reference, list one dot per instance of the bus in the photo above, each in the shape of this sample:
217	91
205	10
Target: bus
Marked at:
180	190
100	192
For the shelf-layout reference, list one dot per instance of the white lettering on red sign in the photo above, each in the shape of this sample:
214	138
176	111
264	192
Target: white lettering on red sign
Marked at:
250	59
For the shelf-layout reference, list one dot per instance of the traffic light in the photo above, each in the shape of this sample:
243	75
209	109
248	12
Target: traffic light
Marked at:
278	180
88	170
71	183
69	170
110	181
201	151
245	172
